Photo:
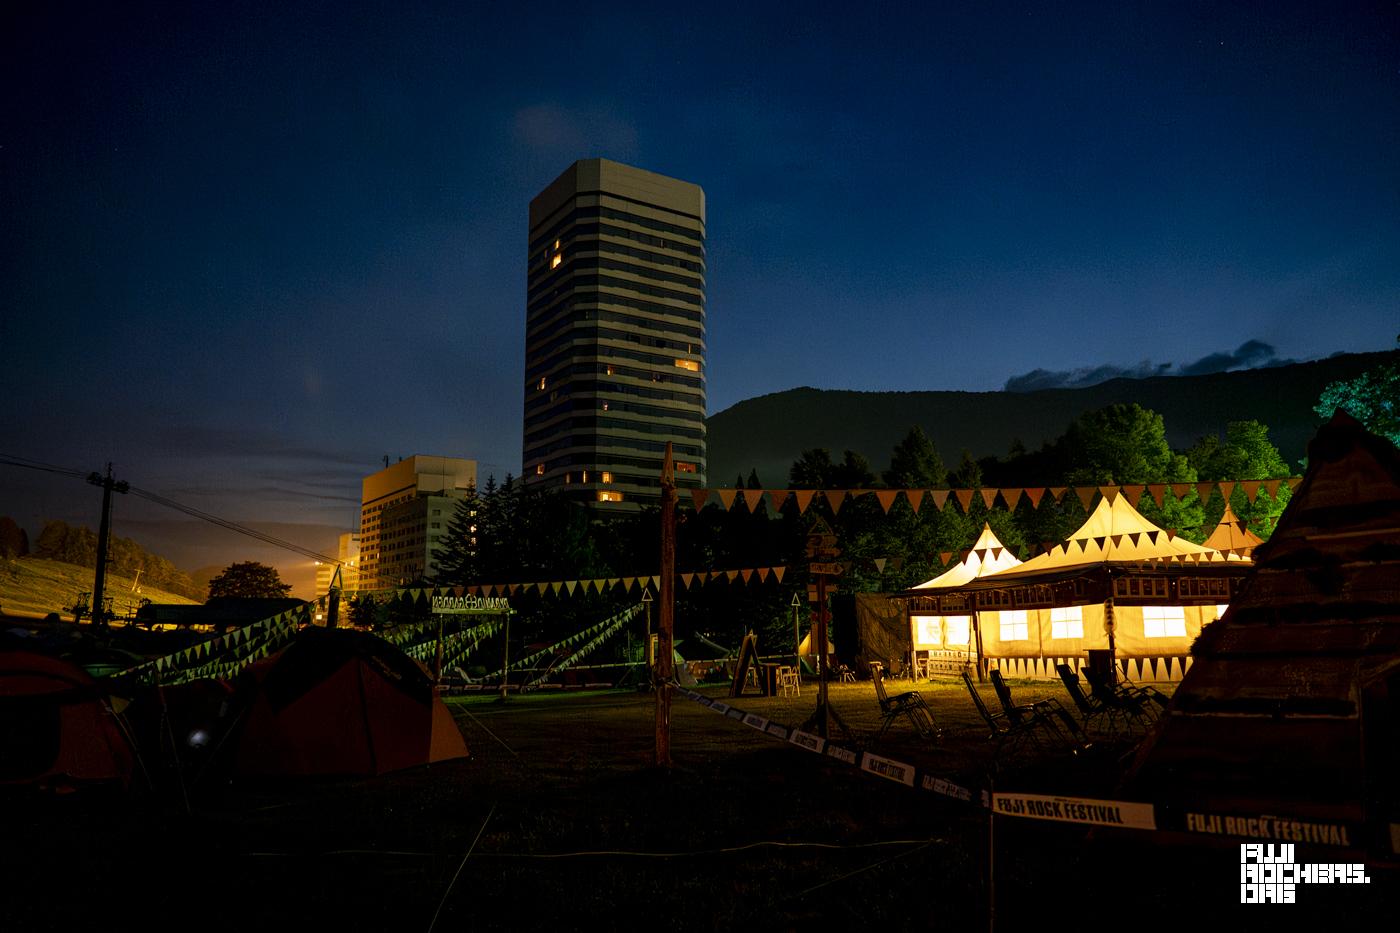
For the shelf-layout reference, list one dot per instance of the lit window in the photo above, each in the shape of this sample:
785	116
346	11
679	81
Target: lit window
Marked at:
928	630
609	495
1067	622
556	246
585	477
1163	622
609	369
539	469
957	630
1014	625
541	385
1220	610
607	476
558	258
684	467
605	406
688	364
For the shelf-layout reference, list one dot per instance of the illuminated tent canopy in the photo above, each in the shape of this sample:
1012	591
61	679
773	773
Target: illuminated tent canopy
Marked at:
1233	536
1118	583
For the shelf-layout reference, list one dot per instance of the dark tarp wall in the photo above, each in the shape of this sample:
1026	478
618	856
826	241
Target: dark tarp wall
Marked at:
882	633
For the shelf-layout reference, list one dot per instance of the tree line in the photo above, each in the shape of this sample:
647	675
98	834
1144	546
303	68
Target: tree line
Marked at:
510	533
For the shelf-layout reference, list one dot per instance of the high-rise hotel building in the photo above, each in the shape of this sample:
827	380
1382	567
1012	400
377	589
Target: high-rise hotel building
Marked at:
615	334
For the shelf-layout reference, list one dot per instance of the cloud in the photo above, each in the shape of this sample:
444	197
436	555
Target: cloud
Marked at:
1252	354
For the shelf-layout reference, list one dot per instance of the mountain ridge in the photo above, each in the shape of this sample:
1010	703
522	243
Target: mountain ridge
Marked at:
767	433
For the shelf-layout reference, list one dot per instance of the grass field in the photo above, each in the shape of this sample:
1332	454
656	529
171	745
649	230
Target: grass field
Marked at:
569	827
32	586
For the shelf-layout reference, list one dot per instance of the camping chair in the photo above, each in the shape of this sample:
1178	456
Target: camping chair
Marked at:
1091	709
789	683
1001	729
902	704
1135	711
1044	713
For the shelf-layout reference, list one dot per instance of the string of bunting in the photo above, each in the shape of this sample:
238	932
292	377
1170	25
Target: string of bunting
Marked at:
1011	496
529	661
455	646
588	647
601	585
231	650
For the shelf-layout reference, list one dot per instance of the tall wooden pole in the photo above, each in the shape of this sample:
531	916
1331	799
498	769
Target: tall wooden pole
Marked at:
667	612
104	536
823	720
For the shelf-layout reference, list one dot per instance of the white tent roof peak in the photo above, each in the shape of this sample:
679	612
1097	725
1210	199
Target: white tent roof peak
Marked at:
1115	531
988	556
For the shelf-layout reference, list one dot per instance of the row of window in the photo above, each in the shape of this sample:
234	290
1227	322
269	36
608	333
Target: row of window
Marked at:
607	444
537	371
590	332
596	387
1065	622
576	315
590	403
651	464
560	274
609	369
591	425
578	241
548	310
580	280
612	213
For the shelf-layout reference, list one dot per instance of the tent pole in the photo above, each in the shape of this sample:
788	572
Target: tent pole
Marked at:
667	611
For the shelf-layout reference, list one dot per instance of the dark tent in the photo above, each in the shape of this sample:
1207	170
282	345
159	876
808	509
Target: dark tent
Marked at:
56	726
339	702
1290	706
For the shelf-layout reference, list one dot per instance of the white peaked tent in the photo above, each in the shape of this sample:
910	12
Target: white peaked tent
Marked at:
935	634
1233	536
1119	584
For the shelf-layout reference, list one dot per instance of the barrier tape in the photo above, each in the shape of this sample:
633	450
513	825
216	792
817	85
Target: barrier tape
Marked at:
1080	811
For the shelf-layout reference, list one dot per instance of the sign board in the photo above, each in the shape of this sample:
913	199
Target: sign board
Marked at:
831	570
466	605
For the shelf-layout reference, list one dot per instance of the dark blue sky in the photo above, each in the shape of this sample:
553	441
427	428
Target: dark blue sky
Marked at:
249	250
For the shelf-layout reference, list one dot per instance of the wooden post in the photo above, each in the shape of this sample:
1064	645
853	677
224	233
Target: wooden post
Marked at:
667	612
823	721
505	659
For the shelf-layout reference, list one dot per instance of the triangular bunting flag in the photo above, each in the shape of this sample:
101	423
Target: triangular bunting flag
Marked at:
1226	490
776	498
746	575
1086	495
1058	492
940	498
834	498
726	497
1011	496
627	584
1034	493
687	579
964	498
556	585
1134	494
1098	542
763	574
778	573
1272	486
1204	490
753	498
1155	490
1251	489
944	557
1293	482
803	498
996	552
1134	537
880	564
731	574
698	496
915	497
886	497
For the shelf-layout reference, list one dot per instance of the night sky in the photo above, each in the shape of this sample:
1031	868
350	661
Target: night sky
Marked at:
248	251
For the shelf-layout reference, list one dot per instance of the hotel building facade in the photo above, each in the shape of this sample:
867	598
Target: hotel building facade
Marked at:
404	513
615	335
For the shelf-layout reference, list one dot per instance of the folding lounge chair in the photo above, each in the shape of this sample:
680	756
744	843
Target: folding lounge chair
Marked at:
1091	709
1048	714
1002	729
902	704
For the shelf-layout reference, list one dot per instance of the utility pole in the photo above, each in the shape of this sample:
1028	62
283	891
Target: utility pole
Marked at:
667	622
104	534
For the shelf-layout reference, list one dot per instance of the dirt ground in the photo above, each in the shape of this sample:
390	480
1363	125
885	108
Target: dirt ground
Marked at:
559	821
